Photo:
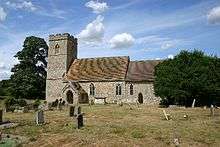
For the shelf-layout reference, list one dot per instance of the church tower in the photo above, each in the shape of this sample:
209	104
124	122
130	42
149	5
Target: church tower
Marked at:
62	51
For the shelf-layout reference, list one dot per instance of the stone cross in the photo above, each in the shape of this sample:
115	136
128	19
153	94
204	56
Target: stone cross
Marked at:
40	117
71	111
212	110
1	115
193	104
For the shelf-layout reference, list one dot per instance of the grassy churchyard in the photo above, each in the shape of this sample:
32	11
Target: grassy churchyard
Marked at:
112	125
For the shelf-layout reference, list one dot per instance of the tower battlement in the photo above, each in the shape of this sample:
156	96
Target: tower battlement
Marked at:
64	36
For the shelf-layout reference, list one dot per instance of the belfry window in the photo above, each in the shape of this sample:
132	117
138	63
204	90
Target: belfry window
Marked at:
57	49
92	89
131	89
118	89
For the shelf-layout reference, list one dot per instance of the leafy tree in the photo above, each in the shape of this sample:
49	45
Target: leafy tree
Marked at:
29	78
190	75
5	88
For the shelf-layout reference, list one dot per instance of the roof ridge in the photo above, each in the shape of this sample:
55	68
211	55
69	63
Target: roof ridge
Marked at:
105	57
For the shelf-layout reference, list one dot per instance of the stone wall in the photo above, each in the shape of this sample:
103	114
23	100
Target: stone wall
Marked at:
108	89
62	51
105	89
145	88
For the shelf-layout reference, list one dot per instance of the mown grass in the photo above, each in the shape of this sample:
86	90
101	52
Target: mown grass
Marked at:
111	125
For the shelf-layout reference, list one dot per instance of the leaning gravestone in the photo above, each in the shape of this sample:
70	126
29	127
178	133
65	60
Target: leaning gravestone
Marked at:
1	115
193	104
40	117
71	111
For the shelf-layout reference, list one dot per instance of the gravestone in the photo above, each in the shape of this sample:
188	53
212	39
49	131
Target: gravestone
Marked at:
40	117
77	110
212	110
79	118
71	111
25	109
1	115
167	116
193	104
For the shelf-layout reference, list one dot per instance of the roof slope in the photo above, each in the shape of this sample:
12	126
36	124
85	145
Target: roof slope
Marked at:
98	69
141	70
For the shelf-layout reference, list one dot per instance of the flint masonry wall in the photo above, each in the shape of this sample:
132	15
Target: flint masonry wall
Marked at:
108	89
105	89
145	88
62	51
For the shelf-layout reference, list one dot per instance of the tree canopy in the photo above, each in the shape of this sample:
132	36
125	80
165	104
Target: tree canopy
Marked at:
190	75
29	75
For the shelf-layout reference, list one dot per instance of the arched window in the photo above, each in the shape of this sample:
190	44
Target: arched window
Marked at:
57	49
118	89
92	89
131	89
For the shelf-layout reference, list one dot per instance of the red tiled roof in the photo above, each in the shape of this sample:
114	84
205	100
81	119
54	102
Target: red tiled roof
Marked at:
98	69
141	70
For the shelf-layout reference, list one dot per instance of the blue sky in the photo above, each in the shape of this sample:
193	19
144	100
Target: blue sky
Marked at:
141	29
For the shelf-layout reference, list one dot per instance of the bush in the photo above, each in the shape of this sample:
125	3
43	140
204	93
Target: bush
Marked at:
55	103
21	102
190	75
36	103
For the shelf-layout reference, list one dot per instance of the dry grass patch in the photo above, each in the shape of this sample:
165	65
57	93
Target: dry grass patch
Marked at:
111	125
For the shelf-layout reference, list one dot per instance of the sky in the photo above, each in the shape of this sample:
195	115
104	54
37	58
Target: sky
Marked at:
141	29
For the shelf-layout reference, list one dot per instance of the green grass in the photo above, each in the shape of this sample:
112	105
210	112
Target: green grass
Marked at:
111	125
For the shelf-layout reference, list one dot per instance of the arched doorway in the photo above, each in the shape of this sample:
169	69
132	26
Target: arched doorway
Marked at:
140	98
69	97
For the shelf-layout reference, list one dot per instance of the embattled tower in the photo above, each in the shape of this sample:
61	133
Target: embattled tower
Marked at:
62	51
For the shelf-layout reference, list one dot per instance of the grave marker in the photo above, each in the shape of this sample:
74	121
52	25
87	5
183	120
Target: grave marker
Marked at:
212	110
193	104
77	110
79	118
1	115
167	116
40	117
71	111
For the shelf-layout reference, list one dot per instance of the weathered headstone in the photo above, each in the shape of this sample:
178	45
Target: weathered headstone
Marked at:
1	115
193	104
40	117
25	109
176	142
185	116
167	116
79	118
212	110
77	110
71	111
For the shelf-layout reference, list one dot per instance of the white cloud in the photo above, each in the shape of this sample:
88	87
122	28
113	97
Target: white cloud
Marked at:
4	75
3	14
214	15
123	40
170	56
97	7
94	31
167	45
28	5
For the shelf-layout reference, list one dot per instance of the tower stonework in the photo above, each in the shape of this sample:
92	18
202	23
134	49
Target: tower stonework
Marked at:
62	51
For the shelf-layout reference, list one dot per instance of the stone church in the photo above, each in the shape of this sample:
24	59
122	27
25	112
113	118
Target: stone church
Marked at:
98	80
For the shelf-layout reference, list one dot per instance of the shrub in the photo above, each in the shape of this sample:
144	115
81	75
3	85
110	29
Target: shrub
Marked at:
55	103
36	103
21	102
